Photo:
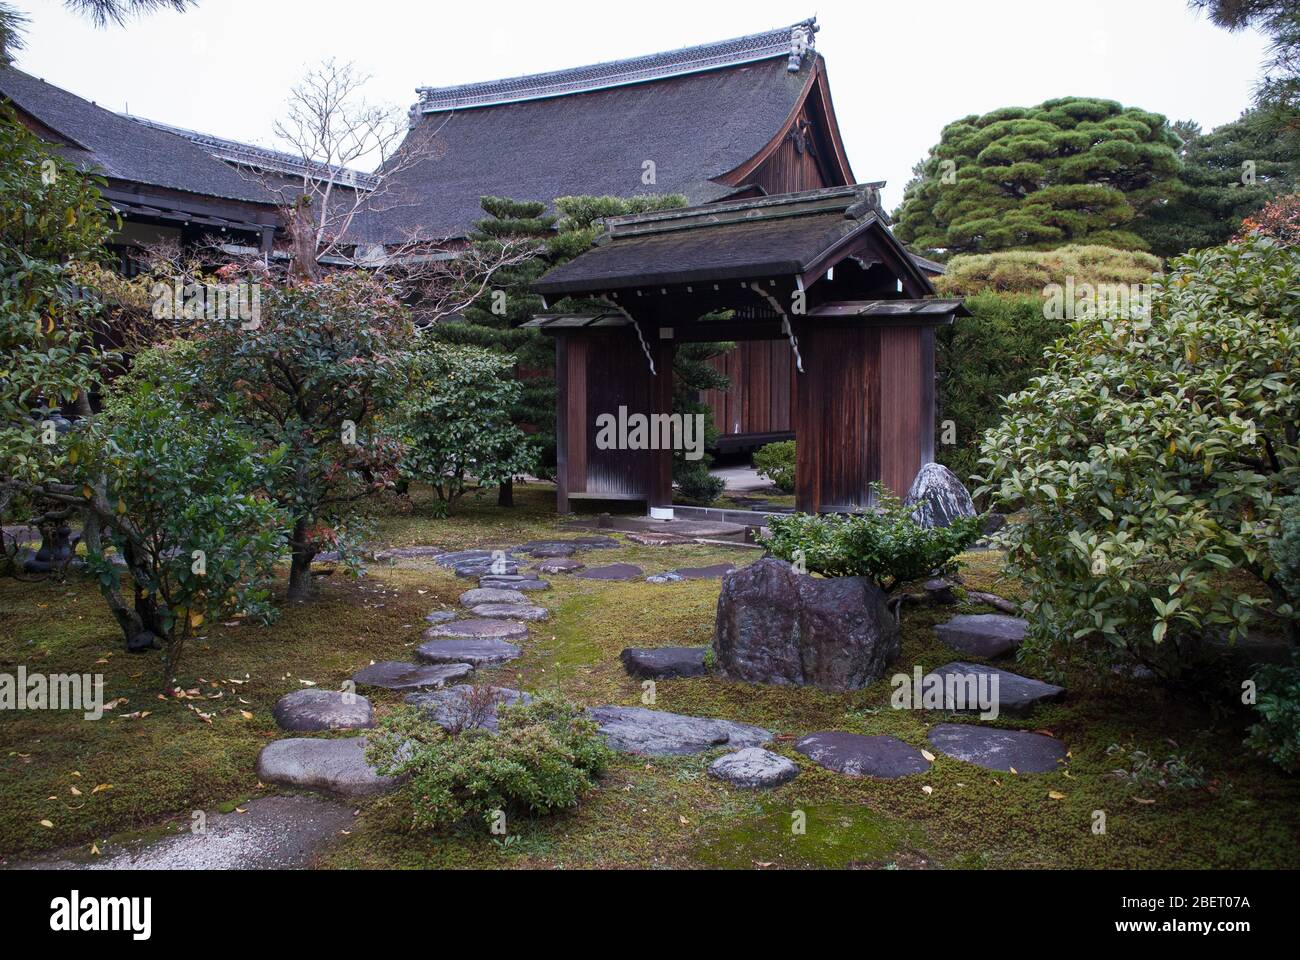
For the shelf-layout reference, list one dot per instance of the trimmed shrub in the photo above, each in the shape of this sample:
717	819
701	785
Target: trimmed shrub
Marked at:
1277	702
776	462
1029	271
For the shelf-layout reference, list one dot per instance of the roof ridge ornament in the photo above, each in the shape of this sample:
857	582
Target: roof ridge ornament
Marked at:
801	41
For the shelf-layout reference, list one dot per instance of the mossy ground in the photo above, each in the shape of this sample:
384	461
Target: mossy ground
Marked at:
656	812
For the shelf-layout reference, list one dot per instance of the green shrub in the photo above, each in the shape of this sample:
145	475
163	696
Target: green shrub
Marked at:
1277	701
885	544
1029	271
1285	550
545	755
776	462
1151	460
695	483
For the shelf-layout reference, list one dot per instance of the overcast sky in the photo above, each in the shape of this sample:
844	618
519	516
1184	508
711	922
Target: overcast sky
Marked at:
899	70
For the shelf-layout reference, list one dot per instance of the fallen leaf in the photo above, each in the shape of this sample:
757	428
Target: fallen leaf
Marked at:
1014	770
102	787
927	789
928	755
47	824
1055	795
246	714
75	792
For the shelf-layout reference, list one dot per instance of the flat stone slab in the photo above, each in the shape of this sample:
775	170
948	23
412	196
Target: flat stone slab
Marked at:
1016	695
458	557
714	572
450	710
472	598
336	766
306	710
407	553
996	749
856	755
754	768
478	629
613	571
664	663
268	833
478	652
659	733
526	584
558	566
440	616
509	611
485	567
396	675
544	550
982	634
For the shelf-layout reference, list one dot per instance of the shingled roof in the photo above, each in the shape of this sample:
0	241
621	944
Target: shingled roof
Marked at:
101	141
697	114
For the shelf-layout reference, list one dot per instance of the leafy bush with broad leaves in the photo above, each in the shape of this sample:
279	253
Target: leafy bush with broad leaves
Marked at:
885	544
545	755
455	421
1277	702
776	461
1285	550
1152	459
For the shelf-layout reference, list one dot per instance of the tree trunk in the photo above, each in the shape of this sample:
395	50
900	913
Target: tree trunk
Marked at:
506	493
300	565
302	235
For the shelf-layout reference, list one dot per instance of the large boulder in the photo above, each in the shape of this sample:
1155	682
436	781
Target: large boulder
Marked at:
939	497
775	625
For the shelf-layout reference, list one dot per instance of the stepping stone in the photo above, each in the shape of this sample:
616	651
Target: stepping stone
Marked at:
305	710
614	571
411	553
996	749
983	634
477	652
714	572
664	663
856	755
558	566
440	616
527	584
479	629
396	675
459	557
338	766
1016	695
545	550
939	591
510	611
658	733
754	768
450	708
472	598
470	570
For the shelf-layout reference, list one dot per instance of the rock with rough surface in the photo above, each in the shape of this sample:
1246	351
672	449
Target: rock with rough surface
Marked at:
754	768
306	710
453	709
664	663
613	571
1016	695
939	497
983	634
659	733
396	675
510	611
440	616
472	598
777	626
476	651
558	566
996	749
856	755
527	584
477	629
336	766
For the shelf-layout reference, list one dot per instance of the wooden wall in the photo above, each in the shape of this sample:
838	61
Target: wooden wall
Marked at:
795	164
907	395
760	396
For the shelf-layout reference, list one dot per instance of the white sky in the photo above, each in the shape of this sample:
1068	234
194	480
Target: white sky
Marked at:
899	70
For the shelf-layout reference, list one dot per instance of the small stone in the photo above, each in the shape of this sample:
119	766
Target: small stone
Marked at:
338	766
668	577
450	709
856	755
460	557
558	566
410	553
996	749
664	663
395	675
487	568
714	572
479	652
939	497
472	598
754	768
510	611
613	571
940	592
659	733
479	629
305	710
983	634
515	583
440	616
1016	695
552	550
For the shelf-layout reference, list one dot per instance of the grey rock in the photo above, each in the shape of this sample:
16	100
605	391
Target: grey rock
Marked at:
983	634
546	550
777	626
411	553
994	522
664	663
1016	695
511	611
306	710
451	709
668	577
856	755
754	768
478	629
713	572
939	497
460	557
476	651
484	568
558	566
527	584
472	598
939	591
996	749
658	733
440	616
395	675
336	766
613	571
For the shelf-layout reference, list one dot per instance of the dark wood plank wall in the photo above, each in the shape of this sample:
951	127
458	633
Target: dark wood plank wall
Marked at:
837	416
795	164
902	415
758	399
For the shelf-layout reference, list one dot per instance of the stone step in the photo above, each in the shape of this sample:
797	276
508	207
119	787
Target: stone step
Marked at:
472	598
996	749
313	710
509	611
527	584
1016	695
664	663
857	755
335	766
613	571
754	769
714	572
659	733
983	634
476	651
396	675
482	628
451	708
